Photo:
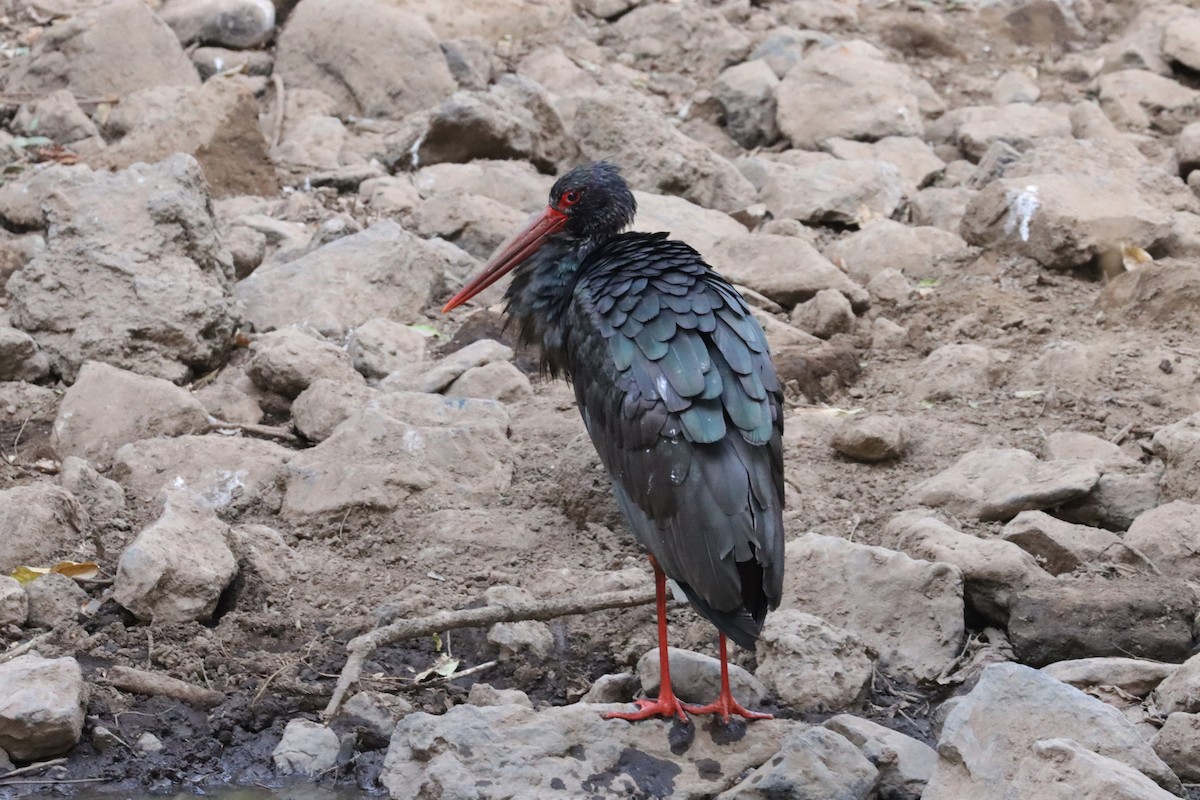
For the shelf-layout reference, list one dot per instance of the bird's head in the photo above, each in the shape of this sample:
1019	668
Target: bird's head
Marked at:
588	204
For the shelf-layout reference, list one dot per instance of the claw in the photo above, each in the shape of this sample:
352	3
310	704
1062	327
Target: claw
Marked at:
668	707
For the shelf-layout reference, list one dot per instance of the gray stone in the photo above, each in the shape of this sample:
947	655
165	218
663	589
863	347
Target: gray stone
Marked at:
994	572
527	639
816	764
1139	100
785	269
917	162
325	404
1061	221
381	346
1061	547
41	706
384	271
54	600
306	748
228	23
1116	500
995	727
439	375
398	446
1136	676
515	184
918	252
39	524
211	60
391	195
1180	691
287	361
1072	444
227	403
850	91
1016	86
702	228
1083	616
20	359
107	407
876	437
1062	769
380	712
475	223
999	484
14	602
229	474
784	47
1187	149
904	763
833	191
890	286
1178	445
915	620
484	694
696	677
1169	536
887	335
620	687
149	743
746	92
177	567
168	315
56	116
1178	744
560	751
321	46
1019	125
810	664
826	314
499	380
940	207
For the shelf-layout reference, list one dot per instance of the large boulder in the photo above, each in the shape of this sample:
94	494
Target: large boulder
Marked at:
134	272
41	706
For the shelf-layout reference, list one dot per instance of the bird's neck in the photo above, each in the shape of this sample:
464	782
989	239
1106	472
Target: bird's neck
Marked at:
539	297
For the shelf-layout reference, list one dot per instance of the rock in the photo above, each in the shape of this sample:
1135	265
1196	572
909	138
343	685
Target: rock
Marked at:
495	19
1178	744
1187	149
229	404
1178	445
1116	500
1180	691
384	271
816	764
228	474
247	248
811	665
217	124
325	404
149	743
1082	616
830	191
1072	444
567	751
999	484
702	228
211	60
1138	100
321	46
54	600
940	207
499	380
995	727
904	763
107	407
56	116
477	224
783	47
1133	675
312	143
696	678
1016	86
397	446
890	286
1181	40
390	195
17	251
442	373
159	303
746	93
1160	293
41	706
287	361
14	602
20	359
917	252
306	748
915	623
849	91
1061	547
20	401
514	119
484	694
887	335
114	48
227	23
1061	221
826	314
1169	536
656	156
1062	769
470	60
616	688
1018	125
378	711
515	184
177	567
528	639
872	438
785	269
958	370
917	162
994	572
39	524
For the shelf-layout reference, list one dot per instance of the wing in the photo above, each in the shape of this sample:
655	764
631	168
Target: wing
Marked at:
682	403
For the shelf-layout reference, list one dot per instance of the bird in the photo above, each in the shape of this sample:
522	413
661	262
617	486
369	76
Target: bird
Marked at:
674	381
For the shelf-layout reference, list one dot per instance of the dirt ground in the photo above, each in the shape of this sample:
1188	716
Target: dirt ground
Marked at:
277	654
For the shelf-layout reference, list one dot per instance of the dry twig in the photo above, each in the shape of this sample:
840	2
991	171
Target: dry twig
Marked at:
140	681
362	646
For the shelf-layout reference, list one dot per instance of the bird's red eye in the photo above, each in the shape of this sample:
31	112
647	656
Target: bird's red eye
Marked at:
569	198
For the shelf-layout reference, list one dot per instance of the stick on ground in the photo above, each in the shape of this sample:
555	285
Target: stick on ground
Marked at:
362	646
139	681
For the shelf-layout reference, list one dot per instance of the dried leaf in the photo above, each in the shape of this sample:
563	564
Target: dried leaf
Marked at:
26	575
79	570
444	667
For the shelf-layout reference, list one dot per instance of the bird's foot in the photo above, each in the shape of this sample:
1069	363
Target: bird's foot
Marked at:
726	706
668	706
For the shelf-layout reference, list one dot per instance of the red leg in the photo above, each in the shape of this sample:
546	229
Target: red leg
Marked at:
725	705
666	705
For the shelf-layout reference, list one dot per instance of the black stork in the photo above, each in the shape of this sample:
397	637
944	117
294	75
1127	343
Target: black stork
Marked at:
676	387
